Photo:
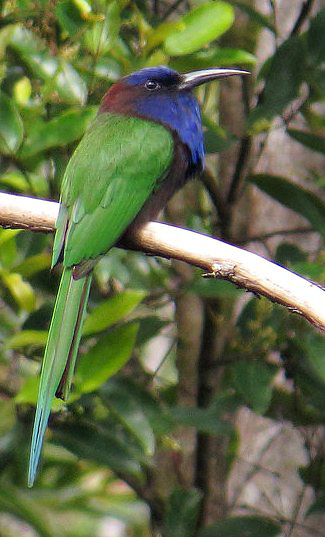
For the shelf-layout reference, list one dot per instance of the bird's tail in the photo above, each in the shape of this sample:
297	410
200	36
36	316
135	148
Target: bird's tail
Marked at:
60	355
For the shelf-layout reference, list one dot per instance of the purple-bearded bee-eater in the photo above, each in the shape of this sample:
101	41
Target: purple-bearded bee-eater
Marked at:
144	144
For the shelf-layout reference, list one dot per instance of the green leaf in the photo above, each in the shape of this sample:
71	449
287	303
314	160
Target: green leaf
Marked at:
7	235
316	38
317	143
211	287
58	74
202	25
206	420
25	507
103	360
314	473
58	132
310	269
8	416
69	17
126	408
284	75
15	180
149	328
318	506
25	338
253	381
294	197
240	526
204	59
112	310
287	252
94	441
11	126
314	352
21	290
69	84
23	90
216	139
157	35
28	394
182	512
34	264
102	36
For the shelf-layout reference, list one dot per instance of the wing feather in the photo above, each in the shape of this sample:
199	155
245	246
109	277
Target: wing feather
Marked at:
117	165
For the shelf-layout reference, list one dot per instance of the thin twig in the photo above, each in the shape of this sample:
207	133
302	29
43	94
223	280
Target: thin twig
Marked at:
171	9
271	234
304	12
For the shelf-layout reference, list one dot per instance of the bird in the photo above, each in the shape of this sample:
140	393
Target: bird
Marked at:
145	143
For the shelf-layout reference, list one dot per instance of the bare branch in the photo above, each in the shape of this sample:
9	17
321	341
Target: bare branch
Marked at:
216	258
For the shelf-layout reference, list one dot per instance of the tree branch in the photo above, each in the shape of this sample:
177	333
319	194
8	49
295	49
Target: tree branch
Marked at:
216	258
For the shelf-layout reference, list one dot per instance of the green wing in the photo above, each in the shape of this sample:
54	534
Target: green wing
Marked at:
117	165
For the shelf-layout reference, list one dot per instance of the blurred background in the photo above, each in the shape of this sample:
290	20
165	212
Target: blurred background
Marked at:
198	409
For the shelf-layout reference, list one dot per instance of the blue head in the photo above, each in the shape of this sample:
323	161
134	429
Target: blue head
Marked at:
163	95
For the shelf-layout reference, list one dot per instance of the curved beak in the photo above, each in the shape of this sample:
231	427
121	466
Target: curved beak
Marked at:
195	78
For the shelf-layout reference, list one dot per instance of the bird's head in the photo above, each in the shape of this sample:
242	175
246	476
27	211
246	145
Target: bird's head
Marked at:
152	83
163	95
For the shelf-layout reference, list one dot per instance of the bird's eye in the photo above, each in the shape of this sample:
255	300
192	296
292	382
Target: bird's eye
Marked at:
152	85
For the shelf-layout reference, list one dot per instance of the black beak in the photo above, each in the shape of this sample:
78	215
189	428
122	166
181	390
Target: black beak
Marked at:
195	78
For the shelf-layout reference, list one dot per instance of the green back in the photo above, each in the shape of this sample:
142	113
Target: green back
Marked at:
118	164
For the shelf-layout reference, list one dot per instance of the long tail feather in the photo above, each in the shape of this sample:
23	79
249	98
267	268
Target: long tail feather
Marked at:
60	355
64	386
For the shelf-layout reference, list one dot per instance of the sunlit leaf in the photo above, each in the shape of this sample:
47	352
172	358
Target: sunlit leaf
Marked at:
39	185
69	84
202	25
11	125
7	235
161	32
28	394
33	264
15	180
109	354
112	310
294	197
23	90
222	57
25	338
21	290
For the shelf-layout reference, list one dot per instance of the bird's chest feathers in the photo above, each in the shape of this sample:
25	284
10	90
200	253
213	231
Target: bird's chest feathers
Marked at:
180	112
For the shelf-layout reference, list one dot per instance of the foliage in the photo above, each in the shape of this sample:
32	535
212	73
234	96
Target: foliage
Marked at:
116	448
